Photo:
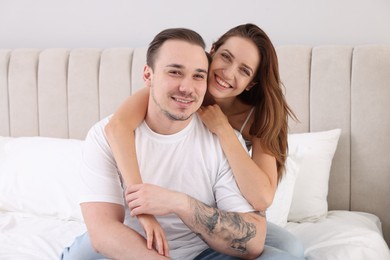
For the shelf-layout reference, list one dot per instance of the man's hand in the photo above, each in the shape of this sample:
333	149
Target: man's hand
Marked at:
153	200
145	201
155	236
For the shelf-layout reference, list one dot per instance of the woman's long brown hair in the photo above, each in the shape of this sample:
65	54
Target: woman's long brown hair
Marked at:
271	112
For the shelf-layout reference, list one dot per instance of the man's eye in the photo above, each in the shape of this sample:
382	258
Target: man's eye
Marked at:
199	76
175	73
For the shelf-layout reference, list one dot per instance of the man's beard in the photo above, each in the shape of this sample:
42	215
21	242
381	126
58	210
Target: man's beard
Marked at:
168	114
175	117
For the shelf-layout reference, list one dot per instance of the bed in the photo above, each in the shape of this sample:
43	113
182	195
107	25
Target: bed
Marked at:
334	196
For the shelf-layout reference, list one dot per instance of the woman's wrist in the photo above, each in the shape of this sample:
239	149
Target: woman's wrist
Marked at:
225	132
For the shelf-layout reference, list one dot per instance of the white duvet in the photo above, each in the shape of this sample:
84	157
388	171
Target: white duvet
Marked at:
342	235
28	237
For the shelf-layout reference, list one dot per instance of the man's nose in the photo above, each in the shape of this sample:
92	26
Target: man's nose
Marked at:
186	85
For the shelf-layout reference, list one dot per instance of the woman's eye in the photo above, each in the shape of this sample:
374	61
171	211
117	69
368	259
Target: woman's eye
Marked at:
225	56
246	71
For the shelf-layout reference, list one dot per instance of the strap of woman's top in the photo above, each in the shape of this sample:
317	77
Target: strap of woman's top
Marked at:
246	120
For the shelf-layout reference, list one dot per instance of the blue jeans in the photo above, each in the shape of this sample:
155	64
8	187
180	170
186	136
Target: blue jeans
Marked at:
279	245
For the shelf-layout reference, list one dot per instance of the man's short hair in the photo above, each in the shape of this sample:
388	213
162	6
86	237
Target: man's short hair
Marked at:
183	34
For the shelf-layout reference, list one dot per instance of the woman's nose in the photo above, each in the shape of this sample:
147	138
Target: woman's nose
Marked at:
228	72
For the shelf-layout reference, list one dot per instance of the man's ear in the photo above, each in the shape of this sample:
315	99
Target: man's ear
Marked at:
147	74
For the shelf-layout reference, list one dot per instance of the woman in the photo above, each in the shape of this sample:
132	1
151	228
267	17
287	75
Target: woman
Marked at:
244	93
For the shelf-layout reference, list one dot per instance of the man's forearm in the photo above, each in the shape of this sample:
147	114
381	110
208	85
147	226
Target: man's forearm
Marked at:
232	233
121	242
110	237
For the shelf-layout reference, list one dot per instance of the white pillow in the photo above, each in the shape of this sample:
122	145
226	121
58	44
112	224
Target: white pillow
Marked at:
40	176
277	213
316	151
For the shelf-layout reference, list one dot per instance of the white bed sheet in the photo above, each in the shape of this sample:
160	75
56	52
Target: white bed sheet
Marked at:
29	237
342	235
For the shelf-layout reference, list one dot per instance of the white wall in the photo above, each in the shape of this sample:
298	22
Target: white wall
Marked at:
121	23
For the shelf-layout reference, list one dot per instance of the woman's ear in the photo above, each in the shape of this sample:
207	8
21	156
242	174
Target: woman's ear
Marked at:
212	50
250	85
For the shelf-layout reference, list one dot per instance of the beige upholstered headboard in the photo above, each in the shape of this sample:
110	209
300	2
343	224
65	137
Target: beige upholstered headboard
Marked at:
62	92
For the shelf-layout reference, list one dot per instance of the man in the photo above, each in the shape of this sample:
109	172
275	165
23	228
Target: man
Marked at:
188	183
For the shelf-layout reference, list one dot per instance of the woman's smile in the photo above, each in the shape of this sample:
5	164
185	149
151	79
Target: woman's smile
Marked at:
221	84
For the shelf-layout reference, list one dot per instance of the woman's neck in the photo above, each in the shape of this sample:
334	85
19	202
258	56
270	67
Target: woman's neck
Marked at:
230	106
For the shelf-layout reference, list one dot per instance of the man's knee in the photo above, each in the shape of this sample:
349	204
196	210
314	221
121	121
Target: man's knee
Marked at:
81	249
280	238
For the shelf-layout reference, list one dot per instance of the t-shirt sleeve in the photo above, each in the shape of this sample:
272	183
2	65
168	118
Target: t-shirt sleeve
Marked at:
100	178
227	193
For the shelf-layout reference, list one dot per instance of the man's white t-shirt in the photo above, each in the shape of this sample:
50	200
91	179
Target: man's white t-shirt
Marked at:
190	161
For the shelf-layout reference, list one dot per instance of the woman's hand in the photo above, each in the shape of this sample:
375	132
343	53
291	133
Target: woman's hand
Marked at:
213	117
155	236
146	201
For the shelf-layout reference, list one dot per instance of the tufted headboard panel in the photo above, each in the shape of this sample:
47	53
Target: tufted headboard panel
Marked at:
63	92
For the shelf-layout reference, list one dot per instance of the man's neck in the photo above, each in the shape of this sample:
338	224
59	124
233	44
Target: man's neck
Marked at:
161	124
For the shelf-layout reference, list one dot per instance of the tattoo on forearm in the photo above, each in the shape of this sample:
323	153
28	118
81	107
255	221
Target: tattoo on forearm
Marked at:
233	228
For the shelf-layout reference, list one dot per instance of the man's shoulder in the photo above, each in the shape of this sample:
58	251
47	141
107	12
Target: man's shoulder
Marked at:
211	135
200	126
